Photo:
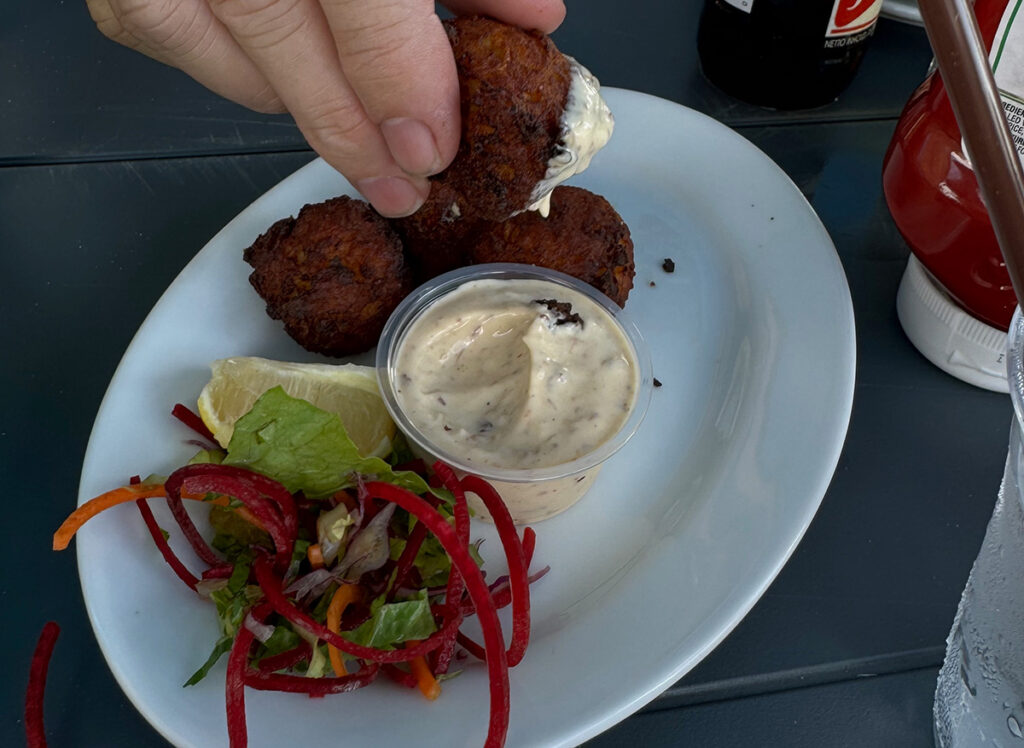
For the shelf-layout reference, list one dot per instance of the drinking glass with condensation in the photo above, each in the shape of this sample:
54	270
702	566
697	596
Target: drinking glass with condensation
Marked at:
979	699
524	376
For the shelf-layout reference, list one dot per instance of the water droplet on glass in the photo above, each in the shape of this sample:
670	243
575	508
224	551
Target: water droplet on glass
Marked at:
1014	726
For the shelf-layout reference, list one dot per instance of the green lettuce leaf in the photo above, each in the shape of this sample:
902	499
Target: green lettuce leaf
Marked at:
208	457
392	623
431	560
222	647
280	641
306	449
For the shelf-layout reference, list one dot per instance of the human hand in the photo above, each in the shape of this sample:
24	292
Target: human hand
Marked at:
371	83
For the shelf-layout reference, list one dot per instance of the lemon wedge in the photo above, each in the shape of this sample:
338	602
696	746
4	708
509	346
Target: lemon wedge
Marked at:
347	390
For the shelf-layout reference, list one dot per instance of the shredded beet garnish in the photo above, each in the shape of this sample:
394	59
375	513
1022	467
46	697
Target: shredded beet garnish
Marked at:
284	660
518	581
405	561
314	687
271	587
165	550
219	572
267	499
235	687
269	505
501	592
472	647
399	676
172	486
35	731
497	665
193	421
455	586
529	543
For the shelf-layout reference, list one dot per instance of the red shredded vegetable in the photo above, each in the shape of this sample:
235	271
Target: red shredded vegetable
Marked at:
399	676
471	646
518	581
529	544
455	587
165	550
194	422
285	660
275	596
466	592
494	644
188	528
234	687
405	561
501	592
267	499
35	732
314	687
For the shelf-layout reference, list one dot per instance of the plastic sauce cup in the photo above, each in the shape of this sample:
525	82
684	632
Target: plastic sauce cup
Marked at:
535	493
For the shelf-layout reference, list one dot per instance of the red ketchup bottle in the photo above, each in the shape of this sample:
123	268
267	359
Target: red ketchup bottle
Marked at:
931	188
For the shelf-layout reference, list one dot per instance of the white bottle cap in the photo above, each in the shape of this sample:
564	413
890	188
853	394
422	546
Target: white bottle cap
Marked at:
948	336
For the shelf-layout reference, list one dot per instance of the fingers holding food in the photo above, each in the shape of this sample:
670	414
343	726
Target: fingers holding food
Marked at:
531	118
543	15
398	61
513	85
332	275
292	44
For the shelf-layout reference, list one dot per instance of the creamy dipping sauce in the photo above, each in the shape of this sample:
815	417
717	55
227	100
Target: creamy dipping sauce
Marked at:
587	125
502	374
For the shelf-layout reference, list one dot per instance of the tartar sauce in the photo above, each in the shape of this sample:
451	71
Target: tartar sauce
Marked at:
516	373
586	124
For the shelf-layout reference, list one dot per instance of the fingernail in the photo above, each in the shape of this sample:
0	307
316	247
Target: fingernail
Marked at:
392	197
412	146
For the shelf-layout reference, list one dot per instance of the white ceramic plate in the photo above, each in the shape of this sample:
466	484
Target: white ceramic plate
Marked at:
753	339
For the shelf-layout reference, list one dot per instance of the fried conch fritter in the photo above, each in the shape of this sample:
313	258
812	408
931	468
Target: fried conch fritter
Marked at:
437	235
583	236
332	275
531	117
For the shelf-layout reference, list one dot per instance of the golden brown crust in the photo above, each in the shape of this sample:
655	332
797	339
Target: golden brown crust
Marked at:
435	236
514	85
583	236
333	275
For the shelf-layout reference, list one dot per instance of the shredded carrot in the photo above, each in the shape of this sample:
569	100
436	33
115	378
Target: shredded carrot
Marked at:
425	679
122	495
345	594
316	558
243	512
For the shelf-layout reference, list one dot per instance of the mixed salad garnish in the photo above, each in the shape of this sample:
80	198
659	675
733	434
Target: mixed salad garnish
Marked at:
328	569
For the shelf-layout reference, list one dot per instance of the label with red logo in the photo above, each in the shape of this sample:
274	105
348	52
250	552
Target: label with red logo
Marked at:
852	17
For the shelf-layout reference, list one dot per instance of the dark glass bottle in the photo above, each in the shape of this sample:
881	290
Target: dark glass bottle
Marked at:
784	54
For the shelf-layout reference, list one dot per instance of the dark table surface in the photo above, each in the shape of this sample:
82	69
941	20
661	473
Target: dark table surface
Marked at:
115	171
